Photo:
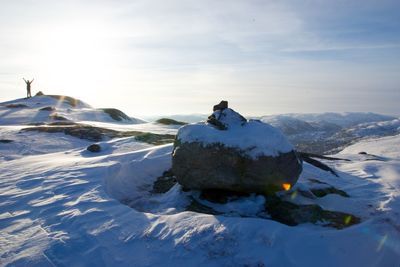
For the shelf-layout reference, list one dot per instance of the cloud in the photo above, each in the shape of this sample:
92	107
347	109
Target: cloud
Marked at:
200	50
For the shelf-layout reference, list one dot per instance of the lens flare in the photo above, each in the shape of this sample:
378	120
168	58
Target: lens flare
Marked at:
347	219
382	242
286	186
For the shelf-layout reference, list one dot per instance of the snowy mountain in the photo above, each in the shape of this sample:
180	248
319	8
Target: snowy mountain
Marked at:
61	205
345	119
49	108
330	132
375	129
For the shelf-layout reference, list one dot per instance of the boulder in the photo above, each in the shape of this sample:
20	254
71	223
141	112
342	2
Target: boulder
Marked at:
229	152
94	148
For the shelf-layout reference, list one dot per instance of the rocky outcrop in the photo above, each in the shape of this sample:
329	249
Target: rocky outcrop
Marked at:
231	153
221	106
167	121
95	148
96	134
116	114
219	167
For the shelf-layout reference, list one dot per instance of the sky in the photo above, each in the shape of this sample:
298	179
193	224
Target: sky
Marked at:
180	57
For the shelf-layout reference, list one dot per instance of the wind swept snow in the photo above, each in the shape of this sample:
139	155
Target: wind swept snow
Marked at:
65	209
67	206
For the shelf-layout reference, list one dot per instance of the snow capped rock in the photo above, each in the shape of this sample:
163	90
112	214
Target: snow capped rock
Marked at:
253	138
229	152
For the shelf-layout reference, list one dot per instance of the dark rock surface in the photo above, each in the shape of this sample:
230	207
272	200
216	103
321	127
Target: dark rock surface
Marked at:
116	114
94	148
277	207
222	105
47	109
213	155
6	141
292	214
16	106
57	117
219	167
321	192
167	121
164	183
97	134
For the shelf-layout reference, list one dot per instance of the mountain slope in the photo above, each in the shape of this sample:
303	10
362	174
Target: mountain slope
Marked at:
68	209
328	133
48	108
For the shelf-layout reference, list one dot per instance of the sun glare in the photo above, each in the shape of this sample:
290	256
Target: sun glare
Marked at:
286	187
76	58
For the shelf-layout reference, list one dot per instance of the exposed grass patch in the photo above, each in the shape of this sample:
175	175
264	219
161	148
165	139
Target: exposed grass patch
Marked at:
16	106
57	117
97	134
48	109
167	121
116	114
292	214
155	139
321	192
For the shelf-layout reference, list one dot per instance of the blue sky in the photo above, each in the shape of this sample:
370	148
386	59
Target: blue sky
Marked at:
170	57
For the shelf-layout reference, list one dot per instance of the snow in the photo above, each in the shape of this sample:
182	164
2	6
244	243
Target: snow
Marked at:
141	127
381	128
253	138
344	119
30	111
61	205
386	146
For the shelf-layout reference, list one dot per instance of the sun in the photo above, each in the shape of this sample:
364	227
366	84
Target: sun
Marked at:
76	58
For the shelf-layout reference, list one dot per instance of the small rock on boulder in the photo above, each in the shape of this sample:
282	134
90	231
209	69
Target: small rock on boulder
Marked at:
229	152
94	148
221	106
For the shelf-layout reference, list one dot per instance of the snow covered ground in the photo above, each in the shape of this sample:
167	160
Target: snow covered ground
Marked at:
61	205
39	109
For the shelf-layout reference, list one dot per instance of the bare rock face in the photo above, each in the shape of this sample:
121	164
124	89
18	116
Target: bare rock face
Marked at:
221	106
94	148
231	153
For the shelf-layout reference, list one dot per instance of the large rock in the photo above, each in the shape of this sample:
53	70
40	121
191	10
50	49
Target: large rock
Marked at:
231	153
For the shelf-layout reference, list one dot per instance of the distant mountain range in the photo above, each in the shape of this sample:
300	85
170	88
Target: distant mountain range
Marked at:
322	133
330	132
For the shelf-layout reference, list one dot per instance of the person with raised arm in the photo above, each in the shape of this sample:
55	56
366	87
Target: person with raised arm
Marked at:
28	87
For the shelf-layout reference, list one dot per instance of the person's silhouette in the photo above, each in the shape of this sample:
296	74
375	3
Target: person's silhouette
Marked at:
28	87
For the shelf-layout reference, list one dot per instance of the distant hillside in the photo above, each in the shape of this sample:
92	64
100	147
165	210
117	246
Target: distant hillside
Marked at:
189	118
168	121
330	132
